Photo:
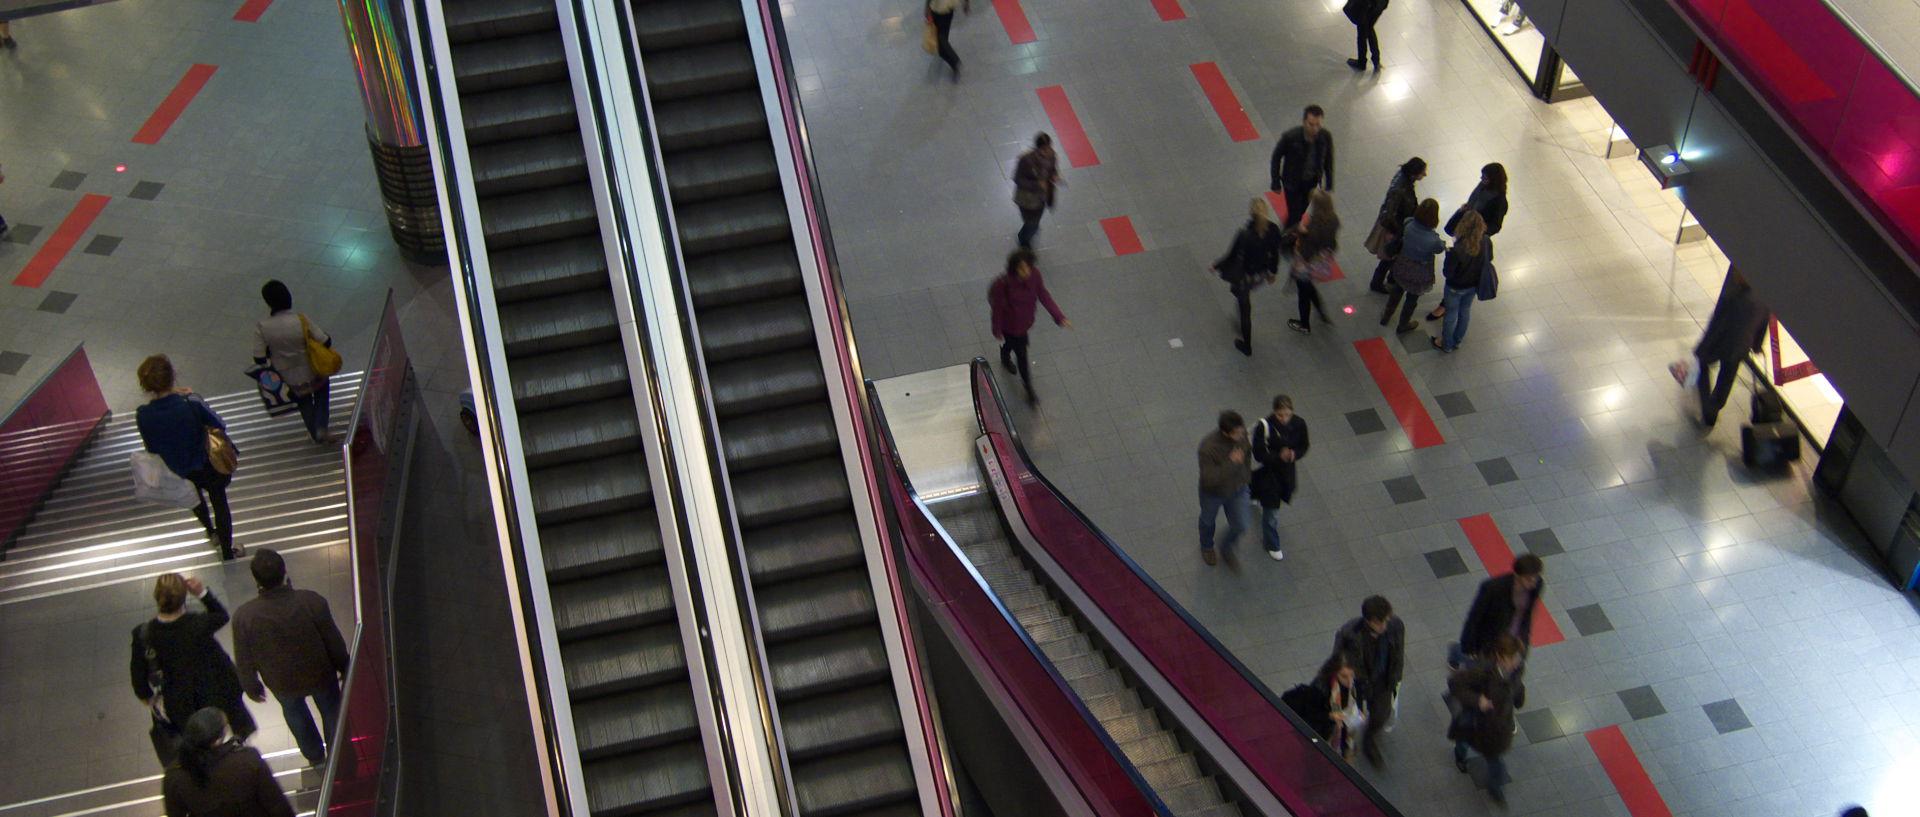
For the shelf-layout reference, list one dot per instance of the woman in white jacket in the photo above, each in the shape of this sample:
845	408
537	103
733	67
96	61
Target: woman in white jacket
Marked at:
282	339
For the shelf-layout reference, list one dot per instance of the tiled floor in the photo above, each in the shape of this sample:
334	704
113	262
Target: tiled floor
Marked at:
1705	607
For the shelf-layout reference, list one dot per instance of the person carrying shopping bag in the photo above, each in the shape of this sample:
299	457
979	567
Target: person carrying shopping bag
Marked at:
288	340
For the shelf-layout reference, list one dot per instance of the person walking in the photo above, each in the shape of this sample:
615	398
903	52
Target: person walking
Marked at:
1365	14
1330	704
1278	442
1483	696
1225	471
1314	245
1252	258
218	776
941	13
1395	209
1466	263
173	424
1412	272
1738	325
1012	299
1503	606
1035	177
1489	199
282	339
177	667
288	639
1376	642
1302	161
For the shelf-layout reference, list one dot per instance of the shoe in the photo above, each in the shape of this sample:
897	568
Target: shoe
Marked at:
7	42
1380	290
1437	314
1499	798
326	439
1032	399
1324	318
1300	327
1461	765
956	72
1408	327
1356	64
1008	365
1708	420
1276	555
1372	752
1207	555
1244	347
1436	345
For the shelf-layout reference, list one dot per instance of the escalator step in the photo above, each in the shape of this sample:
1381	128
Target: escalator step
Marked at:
525	59
1150	749
767	382
840	722
554	268
578	490
679	23
845	783
783	552
569	377
623	661
1198	795
1067	647
470	20
711	120
1113	703
599	545
778	437
835	661
1093	686
613	601
1171	773
1046	630
639	782
631	721
718	172
1222	810
791	492
560	322
700	70
759	328
1081	666
815	604
536	216
732	223
518	113
528	164
579	432
739	276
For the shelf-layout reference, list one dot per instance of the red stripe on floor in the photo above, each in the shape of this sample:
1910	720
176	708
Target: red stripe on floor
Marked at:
1393	385
175	102
1279	204
1014	19
1628	776
250	13
62	241
1121	235
1497	557
1232	113
1066	127
1170	10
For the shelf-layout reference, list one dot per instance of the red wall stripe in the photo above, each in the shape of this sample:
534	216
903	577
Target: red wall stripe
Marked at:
1066	127
1225	104
1170	10
1014	19
1393	384
251	11
62	240
175	102
1629	777
1121	235
1497	557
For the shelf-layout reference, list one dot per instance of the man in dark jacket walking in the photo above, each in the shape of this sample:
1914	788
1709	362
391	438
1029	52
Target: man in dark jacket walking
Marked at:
1278	441
1504	606
1483	695
1376	645
1302	161
287	638
1364	14
1738	325
1225	471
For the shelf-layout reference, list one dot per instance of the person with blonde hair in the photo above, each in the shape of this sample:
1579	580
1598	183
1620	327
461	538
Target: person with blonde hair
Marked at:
1252	258
1315	242
1466	263
177	668
173	424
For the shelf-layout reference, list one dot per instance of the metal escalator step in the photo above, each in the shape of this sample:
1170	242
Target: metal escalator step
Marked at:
790	493
622	661
1131	725
1005	576
778	437
844	783
1064	648
759	328
1039	612
518	113
679	73
839	722
1113	704
1222	810
506	62
739	276
1104	683
1040	631
817	545
470	20
578	432
1198	795
717	172
631	721
570	377
559	322
577	490
976	529
553	268
681	23
1024	598
528	164
613	601
1081	666
536	216
710	120
906	809
1173	772
815	604
732	223
639	782
813	666
600	545
1152	748
769	382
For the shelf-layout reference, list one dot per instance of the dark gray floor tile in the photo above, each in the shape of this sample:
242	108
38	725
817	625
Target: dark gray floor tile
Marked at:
10	362
1405	490
1590	620
57	302
103	245
1727	716
1414	343
1641	702
23	233
1497	471
1542	542
1540	725
1454	403
68	180
1446	562
146	191
1365	421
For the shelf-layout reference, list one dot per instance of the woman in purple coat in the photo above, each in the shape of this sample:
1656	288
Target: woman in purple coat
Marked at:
1013	297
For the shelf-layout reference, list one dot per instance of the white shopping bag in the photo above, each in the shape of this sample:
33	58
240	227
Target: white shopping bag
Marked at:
154	482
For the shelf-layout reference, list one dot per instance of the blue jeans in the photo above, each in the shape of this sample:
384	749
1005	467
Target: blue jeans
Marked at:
1270	526
1453	327
1496	767
313	408
1236	508
300	721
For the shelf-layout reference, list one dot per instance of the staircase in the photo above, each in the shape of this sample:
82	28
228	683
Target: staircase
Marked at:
289	494
1169	769
141	797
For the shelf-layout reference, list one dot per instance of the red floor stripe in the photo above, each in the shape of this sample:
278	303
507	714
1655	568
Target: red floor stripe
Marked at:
1014	19
1279	204
1170	10
1066	127
1628	776
1497	557
1121	235
175	102
250	13
1232	113
62	241
1393	385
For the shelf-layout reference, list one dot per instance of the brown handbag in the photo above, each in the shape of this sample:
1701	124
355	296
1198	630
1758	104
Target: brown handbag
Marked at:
221	451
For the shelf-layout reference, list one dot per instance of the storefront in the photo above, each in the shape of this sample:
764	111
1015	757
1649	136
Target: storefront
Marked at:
1524	46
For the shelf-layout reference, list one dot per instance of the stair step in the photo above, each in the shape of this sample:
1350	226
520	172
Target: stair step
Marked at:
1064	648
569	377
757	328
707	174
603	544
642	781
610	602
1113	704
519	113
814	604
579	432
1173	772
779	436
852	781
505	62
702	70
839	722
773	381
470	21
665	24
630	721
782	552
790	493
558	323
1199	795
813	666
708	120
579	490
608	664
1150	749
1104	683
1131	725
538	216
733	223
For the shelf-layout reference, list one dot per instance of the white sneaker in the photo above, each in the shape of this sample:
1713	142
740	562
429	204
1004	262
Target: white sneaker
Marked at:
1276	555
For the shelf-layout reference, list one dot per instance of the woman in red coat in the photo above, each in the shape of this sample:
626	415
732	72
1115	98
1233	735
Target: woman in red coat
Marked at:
1014	297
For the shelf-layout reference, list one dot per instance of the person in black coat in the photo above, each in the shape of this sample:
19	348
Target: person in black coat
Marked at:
1252	259
1483	694
1302	161
1489	199
1365	14
1504	606
1279	440
1328	704
1738	325
217	776
1376	643
1398	206
177	668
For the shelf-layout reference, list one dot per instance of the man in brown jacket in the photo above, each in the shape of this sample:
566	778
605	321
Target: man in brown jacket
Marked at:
287	638
1226	467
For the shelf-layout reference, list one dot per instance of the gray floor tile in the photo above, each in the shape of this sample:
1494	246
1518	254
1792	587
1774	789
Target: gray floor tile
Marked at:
1641	702
1404	490
1589	619
1540	725
10	362
1365	421
1542	542
23	233
102	245
1446	563
1454	404
1497	471
68	180
57	302
1727	716
146	191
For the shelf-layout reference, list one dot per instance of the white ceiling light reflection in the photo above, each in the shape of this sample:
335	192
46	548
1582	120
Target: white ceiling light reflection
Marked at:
1396	90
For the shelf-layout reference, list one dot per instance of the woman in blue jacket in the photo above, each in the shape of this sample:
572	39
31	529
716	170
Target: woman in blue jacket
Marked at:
1412	272
173	424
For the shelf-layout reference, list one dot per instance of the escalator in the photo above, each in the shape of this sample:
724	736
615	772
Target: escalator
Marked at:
614	617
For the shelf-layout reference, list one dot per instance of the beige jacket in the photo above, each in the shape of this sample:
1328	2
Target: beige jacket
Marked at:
280	340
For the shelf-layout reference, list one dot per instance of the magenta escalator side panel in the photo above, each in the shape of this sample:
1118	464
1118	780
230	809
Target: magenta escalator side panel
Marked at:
42	435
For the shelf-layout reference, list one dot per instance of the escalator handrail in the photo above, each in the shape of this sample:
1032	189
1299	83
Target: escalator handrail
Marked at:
885	449
982	372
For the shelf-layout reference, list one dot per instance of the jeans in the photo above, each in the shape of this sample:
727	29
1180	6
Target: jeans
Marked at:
212	486
1270	526
313	408
1453	326
1496	767
1236	508
1394	294
1364	33
313	745
1711	402
942	24
1029	226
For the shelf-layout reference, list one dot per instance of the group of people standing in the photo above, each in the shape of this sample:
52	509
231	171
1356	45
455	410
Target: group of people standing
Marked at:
1406	239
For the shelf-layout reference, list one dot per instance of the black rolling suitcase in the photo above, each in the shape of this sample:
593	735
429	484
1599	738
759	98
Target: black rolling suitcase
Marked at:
1769	445
1766	407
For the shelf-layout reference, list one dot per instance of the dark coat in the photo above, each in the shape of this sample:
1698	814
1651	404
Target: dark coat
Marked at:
1219	475
1492	613
1365	11
287	637
239	784
1491	204
1489	733
1033	180
197	671
1288	167
1012	301
175	427
1399	204
1274	483
1738	324
1362	648
1463	271
1250	256
1313	702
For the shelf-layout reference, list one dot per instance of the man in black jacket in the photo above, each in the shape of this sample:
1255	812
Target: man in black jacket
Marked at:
1504	606
1738	325
1278	441
1376	646
1364	14
1302	161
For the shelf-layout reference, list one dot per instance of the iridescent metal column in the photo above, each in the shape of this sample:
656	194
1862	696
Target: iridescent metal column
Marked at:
393	128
